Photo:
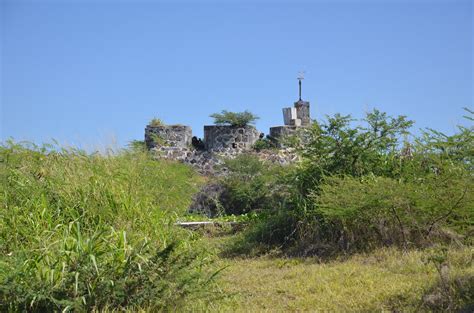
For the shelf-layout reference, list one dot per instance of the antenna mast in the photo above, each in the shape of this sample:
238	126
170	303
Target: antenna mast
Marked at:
300	78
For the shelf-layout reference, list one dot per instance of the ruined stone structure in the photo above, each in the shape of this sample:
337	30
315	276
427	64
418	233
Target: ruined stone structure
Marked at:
298	115
302	112
225	141
294	118
279	132
218	138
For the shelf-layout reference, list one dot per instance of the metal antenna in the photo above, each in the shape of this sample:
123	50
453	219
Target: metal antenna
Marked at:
300	78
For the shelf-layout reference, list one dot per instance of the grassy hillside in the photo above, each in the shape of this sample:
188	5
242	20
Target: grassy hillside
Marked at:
366	222
82	232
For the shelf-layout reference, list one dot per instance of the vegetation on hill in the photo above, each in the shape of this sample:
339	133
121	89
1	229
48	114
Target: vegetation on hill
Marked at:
85	231
238	119
360	187
366	222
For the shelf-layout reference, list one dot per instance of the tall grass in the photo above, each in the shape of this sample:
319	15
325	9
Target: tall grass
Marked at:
85	231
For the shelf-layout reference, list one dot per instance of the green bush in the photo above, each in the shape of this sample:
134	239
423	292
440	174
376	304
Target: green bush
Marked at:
250	185
264	144
137	145
362	186
85	231
376	211
238	119
155	122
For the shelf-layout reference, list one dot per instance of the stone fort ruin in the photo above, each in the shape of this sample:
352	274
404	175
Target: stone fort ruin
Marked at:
177	141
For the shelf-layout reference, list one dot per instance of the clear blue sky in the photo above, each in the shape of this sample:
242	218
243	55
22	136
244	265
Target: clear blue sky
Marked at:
84	72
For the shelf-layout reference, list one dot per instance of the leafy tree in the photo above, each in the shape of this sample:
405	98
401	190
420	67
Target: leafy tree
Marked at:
338	147
238	119
455	148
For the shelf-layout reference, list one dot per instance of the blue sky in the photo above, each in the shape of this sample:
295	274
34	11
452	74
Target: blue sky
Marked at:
91	72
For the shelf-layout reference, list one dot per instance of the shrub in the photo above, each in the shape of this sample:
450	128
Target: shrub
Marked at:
358	187
137	145
375	211
250	185
155	122
264	144
85	231
238	119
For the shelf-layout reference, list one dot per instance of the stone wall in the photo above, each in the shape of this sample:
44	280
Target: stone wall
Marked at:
279	132
211	163
223	137
168	135
302	112
290	117
204	162
295	118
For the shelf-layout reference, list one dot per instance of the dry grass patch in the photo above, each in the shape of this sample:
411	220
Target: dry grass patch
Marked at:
386	279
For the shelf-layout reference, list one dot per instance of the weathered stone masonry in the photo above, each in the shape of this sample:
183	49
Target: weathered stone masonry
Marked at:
168	135
294	118
225	141
222	137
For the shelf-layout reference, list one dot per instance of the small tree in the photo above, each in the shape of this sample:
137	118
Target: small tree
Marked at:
239	119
